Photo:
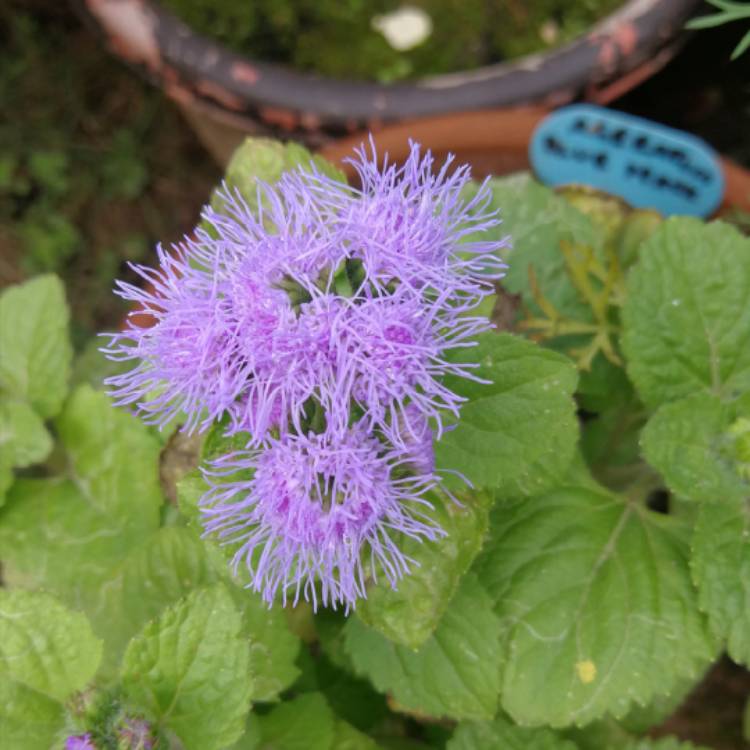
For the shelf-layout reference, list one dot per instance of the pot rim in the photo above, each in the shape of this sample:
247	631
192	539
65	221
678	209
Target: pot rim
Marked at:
614	55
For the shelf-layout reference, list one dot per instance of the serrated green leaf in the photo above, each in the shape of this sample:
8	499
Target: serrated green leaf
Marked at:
170	565
456	671
598	608
689	442
410	614
188	670
36	359
537	219
24	440
113	458
304	723
721	569
686	319
44	646
28	720
518	433
69	536
501	733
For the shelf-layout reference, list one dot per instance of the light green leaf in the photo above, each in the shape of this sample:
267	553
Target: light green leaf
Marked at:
411	613
170	565
686	318
597	606
537	220
502	734
113	457
28	720
36	352
68	536
51	537
266	159
188	670
518	433
346	737
689	442
454	674
24	440
304	723
721	569
44	646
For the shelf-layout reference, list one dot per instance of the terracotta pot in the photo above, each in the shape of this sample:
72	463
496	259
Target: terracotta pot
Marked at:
226	96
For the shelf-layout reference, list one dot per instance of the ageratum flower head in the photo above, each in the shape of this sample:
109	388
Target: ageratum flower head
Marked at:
304	510
319	326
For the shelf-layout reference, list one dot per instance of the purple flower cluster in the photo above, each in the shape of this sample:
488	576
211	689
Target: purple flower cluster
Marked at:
321	327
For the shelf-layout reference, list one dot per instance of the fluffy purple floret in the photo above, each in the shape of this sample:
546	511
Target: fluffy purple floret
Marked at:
414	225
393	353
80	742
318	508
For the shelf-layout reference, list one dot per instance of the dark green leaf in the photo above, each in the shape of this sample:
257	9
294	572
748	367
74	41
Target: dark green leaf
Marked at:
687	314
518	433
598	608
456	671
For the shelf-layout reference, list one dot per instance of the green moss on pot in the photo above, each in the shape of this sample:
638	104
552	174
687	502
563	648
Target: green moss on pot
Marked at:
337	37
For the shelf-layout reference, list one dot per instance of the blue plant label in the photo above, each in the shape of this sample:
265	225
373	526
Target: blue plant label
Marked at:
647	164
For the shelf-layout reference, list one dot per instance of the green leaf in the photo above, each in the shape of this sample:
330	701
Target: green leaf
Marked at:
266	160
454	674
665	743
28	720
501	733
346	737
44	646
689	442
598	608
686	319
188	670
274	647
410	614
721	569
69	535
113	457
37	354
24	439
537	219
304	723
155	575
51	537
6	480
518	433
